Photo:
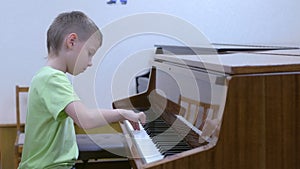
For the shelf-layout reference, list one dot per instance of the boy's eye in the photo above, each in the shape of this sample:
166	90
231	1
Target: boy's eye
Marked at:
91	53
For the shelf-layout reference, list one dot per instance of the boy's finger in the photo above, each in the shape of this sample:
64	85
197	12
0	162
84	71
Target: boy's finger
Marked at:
135	126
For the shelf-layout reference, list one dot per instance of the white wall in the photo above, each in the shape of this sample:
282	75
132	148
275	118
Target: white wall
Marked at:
24	24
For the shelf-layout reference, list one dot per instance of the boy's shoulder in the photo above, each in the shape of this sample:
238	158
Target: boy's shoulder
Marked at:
46	74
47	71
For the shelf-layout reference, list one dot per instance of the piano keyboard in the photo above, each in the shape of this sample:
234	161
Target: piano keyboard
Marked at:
147	149
156	140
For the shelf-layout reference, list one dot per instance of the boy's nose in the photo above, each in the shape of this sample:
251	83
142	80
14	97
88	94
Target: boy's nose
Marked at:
90	63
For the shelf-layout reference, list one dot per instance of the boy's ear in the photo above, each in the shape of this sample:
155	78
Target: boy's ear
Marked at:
71	40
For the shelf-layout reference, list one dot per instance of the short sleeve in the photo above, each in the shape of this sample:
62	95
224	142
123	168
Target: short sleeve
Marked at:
57	94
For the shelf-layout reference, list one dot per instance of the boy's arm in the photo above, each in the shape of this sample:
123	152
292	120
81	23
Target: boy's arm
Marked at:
92	118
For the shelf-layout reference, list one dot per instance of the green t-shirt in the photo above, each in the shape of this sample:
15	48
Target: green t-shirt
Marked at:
50	140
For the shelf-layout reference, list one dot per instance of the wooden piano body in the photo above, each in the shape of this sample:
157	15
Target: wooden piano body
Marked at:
259	110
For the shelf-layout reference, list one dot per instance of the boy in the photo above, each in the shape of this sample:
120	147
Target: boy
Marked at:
50	142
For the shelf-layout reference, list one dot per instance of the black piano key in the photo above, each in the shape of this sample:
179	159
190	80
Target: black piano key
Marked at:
165	137
173	145
173	150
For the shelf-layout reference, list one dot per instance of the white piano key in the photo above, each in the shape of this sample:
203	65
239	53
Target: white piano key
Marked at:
144	143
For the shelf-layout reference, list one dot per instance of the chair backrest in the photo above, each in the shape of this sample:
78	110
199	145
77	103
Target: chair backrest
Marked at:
19	91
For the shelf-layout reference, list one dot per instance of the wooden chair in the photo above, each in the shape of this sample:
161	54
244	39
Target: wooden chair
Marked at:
20	133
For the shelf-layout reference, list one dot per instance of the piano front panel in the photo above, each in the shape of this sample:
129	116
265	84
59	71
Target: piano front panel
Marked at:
260	123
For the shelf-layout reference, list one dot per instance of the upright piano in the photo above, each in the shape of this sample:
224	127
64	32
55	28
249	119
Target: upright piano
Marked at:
218	109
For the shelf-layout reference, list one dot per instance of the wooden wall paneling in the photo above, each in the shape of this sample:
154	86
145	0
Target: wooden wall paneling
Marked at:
7	140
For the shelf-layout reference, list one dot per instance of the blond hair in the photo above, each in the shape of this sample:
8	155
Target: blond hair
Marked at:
66	23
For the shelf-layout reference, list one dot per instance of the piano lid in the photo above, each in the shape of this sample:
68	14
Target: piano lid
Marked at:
217	48
238	62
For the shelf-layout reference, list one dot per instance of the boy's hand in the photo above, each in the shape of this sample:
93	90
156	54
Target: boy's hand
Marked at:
134	118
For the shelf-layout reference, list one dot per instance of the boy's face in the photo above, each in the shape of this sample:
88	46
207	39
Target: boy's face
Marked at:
84	53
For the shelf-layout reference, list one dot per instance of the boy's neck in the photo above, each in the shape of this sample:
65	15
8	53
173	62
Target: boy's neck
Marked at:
56	63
